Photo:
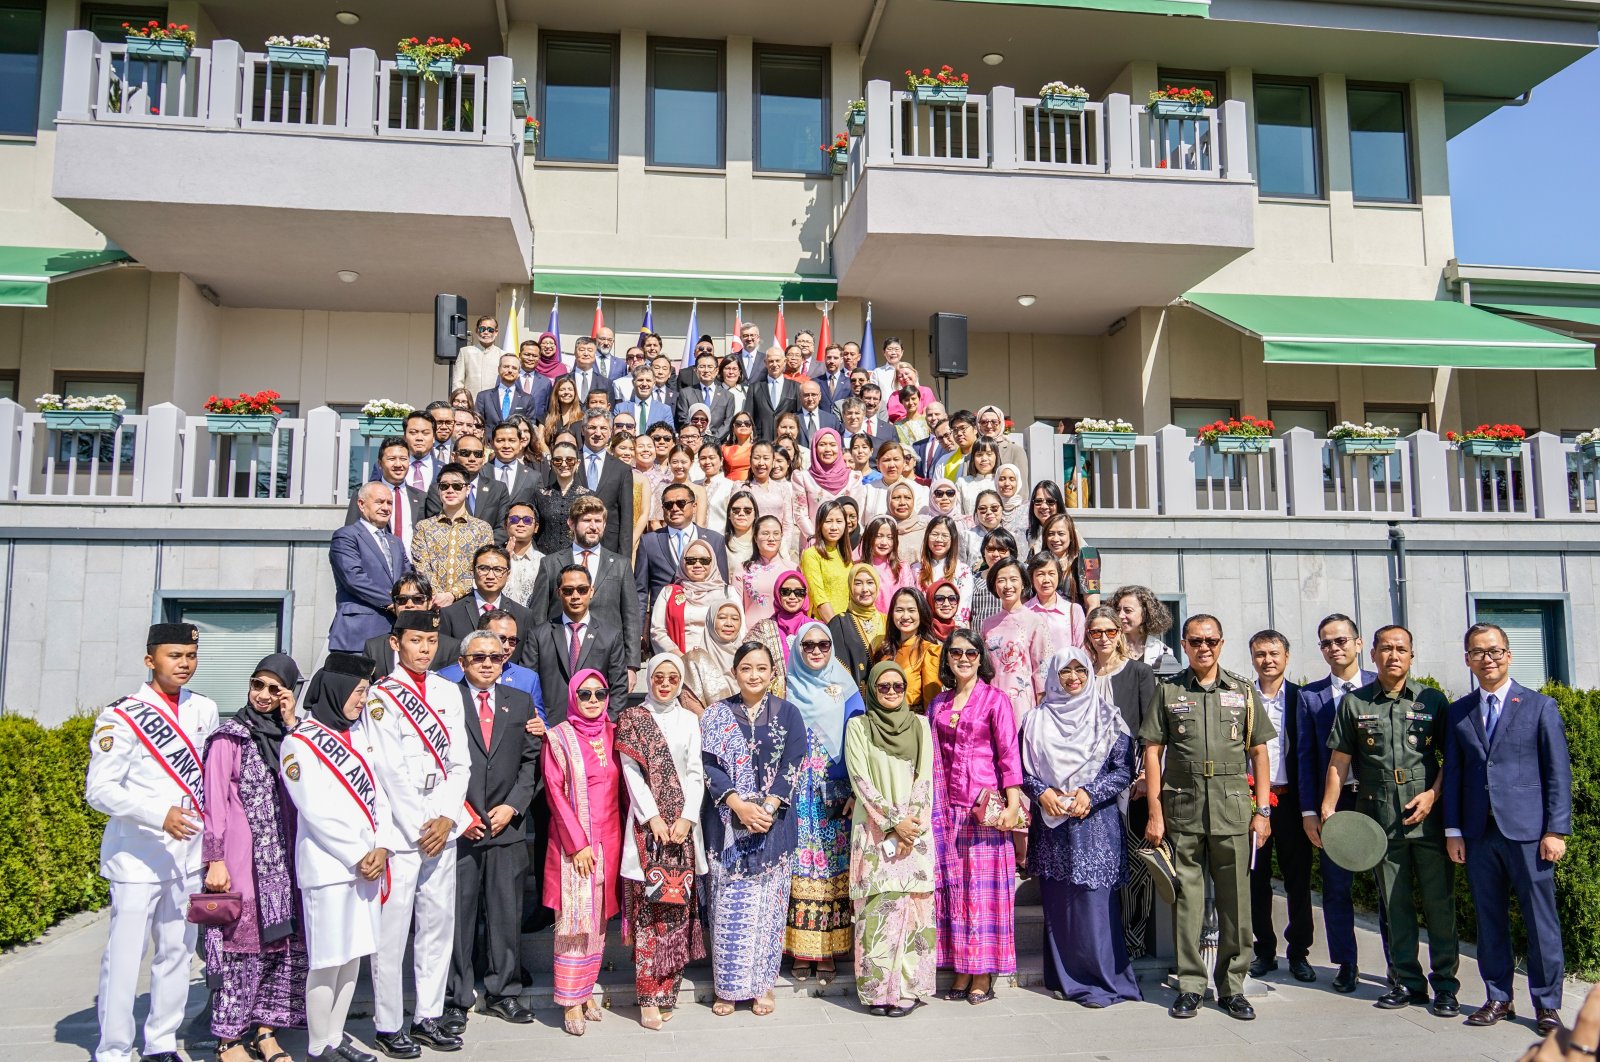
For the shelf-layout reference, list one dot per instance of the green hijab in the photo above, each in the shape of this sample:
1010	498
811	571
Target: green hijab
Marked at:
894	730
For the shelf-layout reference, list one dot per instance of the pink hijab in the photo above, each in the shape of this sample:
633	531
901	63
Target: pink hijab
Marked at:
554	367
588	729
789	621
834	477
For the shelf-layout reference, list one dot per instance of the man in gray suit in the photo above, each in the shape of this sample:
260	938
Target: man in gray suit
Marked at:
608	478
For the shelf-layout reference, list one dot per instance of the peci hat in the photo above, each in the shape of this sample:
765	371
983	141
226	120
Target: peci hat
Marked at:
1163	873
171	634
421	619
1354	841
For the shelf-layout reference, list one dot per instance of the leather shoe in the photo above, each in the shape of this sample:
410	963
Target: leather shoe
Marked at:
1348	979
1491	1013
397	1044
347	1051
1237	1007
507	1008
1301	970
1549	1020
898	1011
1262	965
1445	1005
453	1020
427	1031
878	1012
1399	997
161	1056
1185	1005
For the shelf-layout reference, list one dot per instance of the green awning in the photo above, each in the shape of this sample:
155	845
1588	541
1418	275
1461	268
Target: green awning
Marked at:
1318	330
669	284
1196	8
26	272
1578	315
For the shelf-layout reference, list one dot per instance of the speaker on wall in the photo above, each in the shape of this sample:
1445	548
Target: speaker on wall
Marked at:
449	326
947	342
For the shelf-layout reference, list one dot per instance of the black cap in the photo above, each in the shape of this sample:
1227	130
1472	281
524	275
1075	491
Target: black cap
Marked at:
171	634
417	619
350	664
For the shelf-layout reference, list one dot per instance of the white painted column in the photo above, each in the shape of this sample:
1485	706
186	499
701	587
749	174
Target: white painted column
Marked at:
1174	451
1302	458
163	452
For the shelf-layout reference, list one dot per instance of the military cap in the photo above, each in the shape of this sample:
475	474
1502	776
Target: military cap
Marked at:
1163	873
1354	841
171	634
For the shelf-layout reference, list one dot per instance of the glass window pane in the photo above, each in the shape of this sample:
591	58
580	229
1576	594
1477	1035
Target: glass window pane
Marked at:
1314	420
8	387
1286	140
21	36
1407	420
579	104
233	639
1380	157
791	95
127	390
1208	463
686	106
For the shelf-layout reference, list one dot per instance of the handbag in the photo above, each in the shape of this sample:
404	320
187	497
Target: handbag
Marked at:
990	808
216	909
666	877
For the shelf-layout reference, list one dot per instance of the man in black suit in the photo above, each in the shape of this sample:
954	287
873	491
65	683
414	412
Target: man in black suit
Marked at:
585	375
491	567
508	469
394	463
833	379
1269	653
486	499
813	418
576	638
769	396
853	414
688	376
659	550
492	853
411	591
613	600
506	398
609	479
703	389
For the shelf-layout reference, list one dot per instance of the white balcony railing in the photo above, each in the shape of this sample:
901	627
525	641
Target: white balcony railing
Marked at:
942	133
1057	141
234	468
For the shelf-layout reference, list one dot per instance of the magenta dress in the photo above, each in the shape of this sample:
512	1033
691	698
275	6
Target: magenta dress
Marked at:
1018	643
888	582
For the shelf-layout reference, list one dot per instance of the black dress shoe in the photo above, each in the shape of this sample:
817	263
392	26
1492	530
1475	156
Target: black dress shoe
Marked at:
1301	970
1399	997
162	1056
396	1044
1262	965
1185	1005
428	1033
453	1020
878	1012
506	1008
898	1011
1348	979
1549	1020
1445	1005
1491	1013
1237	1007
347	1051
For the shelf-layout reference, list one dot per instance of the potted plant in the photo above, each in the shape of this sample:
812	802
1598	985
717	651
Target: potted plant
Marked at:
303	51
381	418
1058	97
1589	444
1237	435
1096	434
530	134
171	43
255	414
1490	440
431	57
519	98
90	413
1175	102
1368	438
941	88
838	152
855	117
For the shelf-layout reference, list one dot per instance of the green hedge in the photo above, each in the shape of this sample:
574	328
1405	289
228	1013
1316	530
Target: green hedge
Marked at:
49	838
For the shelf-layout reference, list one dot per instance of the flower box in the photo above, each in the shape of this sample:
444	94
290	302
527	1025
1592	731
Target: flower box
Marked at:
380	427
1492	447
1055	103
82	420
290	57
160	49
519	100
1176	109
941	95
1107	440
1241	444
1591	450
1364	445
241	423
841	160
855	120
445	67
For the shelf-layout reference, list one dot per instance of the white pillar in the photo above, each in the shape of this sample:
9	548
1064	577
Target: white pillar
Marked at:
1119	134
163	452
1174	456
1003	128
879	120
78	81
323	469
361	107
498	122
227	83
10	436
1302	458
1235	141
1430	475
1044	452
1549	470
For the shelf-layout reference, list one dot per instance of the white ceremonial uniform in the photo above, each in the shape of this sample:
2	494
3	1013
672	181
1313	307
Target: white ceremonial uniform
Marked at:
142	762
423	779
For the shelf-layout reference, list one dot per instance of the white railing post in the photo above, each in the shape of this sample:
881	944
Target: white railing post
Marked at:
1235	141
1302	458
1174	450
319	487
1430	475
497	122
1003	128
361	112
163	452
11	416
1044	455
79	74
880	104
227	75
1549	470
1119	135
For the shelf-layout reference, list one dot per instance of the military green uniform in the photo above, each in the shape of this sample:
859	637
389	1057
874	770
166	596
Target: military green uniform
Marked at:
1206	806
1395	742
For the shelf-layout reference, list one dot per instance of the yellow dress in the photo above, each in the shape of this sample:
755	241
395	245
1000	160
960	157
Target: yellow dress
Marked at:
827	580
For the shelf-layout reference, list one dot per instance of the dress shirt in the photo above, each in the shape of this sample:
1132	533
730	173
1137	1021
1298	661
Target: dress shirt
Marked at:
810	422
594	555
383	547
402	520
524	573
503	392
594	463
1499	695
1277	765
775	389
567	623
506	474
417	475
525	380
483	604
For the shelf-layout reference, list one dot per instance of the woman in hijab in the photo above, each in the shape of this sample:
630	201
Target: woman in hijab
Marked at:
684	606
819	896
256	967
859	630
1013	503
1077	761
888	753
326	767
583	783
829	476
911	525
659	745
944	499
944	609
791	611
708	666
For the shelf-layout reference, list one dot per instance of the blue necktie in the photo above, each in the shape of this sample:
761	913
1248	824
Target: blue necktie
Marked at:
1493	704
505	403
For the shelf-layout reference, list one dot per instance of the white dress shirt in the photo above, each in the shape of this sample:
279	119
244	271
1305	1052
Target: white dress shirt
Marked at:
1277	765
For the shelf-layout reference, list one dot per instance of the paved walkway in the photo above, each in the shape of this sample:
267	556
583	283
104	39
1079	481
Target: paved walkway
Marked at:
48	990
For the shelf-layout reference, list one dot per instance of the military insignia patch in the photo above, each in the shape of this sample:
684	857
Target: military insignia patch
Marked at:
292	771
105	743
376	710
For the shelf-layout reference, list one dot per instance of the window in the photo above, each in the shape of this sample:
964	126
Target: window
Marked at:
129	386
791	110
1315	419
1380	145
686	104
8	384
105	22
1408	419
234	636
1536	632
21	47
578	99
1191	417
1287	140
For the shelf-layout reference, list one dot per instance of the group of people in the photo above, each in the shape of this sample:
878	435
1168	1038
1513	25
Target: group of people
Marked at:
787	706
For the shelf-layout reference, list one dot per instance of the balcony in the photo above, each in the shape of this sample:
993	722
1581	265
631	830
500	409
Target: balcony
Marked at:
965	207
262	183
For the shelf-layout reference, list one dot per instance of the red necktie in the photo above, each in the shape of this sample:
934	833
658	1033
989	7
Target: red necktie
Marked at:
584	556
485	716
576	647
399	516
487	606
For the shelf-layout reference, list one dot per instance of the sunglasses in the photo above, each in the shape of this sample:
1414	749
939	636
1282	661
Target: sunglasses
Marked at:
469	453
593	696
816	647
797	591
486	658
697	562
1103	632
675	503
574	591
487	331
742	423
887	688
563	460
944	494
946	599
452	485
257	685
1329	643
962	654
1202	643
410	599
520	519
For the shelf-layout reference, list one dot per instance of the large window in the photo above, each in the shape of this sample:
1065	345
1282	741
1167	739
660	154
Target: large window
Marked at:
686	104
1287	143
234	636
1380	145
578	99
1536	630
8	383
791	110
1405	419
21	43
129	386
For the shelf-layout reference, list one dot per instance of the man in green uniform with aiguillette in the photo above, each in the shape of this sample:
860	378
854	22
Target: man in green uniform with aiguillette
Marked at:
1391	733
1212	730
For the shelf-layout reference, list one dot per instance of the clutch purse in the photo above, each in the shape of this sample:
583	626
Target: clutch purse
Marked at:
218	909
666	878
990	808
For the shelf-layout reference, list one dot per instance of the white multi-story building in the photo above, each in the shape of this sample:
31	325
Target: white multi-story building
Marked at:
218	223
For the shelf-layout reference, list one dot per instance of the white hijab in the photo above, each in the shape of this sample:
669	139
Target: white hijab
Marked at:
1066	739
650	702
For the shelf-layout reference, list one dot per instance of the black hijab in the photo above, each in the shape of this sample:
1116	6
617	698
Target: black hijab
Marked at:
340	675
266	728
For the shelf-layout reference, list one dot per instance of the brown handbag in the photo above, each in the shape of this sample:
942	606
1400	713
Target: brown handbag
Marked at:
990	808
218	909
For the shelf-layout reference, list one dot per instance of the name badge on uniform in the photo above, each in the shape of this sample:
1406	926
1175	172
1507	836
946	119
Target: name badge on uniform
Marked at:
1230	699
433	780
1180	707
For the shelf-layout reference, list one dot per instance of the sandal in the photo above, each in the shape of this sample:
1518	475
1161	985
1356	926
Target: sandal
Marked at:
722	1008
592	1010
573	1026
764	1005
254	1048
224	1046
826	974
648	1020
957	991
801	971
666	1016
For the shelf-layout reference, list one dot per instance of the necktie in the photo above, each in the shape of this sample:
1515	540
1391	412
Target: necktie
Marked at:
583	386
811	425
505	403
472	498
774	387
399	515
505	475
1493	704
577	645
486	607
677	545
485	716
416	473
583	557
383	548
594	470
705	393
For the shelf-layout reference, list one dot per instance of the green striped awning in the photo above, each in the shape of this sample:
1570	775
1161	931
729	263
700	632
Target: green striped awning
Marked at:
1320	330
671	284
26	272
1195	8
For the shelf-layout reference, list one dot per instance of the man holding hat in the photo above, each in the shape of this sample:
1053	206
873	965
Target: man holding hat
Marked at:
418	732
145	775
1391	735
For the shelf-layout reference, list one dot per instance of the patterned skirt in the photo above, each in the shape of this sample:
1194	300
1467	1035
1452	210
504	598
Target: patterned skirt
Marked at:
267	988
976	898
747	917
1139	893
666	938
894	948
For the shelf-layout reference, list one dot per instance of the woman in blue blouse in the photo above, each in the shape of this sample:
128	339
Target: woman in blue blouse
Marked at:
1077	761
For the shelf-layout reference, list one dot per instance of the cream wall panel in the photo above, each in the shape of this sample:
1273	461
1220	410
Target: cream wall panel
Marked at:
571	201
1389	235
698	205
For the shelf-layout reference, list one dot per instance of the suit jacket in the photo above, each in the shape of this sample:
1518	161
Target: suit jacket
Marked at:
1313	724
614	604
490	503
430	468
885	433
761	409
506	771
825	419
525	479
537	388
488	406
654	567
615	365
377	650
362	581
416	503
660	411
832	396
602	649
1522	777
616	490
460	619
1289	743
596	379
721	409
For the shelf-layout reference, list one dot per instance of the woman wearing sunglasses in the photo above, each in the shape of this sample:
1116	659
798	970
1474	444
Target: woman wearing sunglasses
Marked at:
583	783
736	451
941	562
553	501
684	607
790	611
858	630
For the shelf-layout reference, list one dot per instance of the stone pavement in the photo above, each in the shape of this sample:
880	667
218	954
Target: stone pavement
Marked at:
48	990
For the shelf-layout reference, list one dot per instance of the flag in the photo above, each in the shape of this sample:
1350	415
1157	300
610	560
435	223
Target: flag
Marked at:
554	327
825	334
692	334
599	319
780	337
648	324
869	354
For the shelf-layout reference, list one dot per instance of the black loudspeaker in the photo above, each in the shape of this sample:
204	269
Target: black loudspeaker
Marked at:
449	327
947	342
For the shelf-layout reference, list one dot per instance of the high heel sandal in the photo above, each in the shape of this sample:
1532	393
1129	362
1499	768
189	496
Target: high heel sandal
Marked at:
826	974
650	1021
722	1008
592	1010
253	1047
573	1026
224	1046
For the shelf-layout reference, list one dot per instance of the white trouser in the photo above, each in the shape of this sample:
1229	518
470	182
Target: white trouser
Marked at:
428	887
329	991
142	911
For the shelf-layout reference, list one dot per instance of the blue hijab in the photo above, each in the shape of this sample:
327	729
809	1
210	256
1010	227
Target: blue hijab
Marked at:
825	698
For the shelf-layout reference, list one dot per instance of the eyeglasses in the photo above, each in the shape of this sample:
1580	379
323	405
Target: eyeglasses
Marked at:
468	453
887	688
486	658
1495	654
454	484
946	599
563	460
1335	643
962	653
1104	632
675	503
520	519
593	696
491	569
697	562
410	599
574	591
257	685
816	646
1043	501
1074	670
487	331
742	510
621	425
1202	643
742	423
791	591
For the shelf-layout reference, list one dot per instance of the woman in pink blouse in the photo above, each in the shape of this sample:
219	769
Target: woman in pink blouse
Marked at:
774	497
1017	640
1063	619
881	545
758	575
828	476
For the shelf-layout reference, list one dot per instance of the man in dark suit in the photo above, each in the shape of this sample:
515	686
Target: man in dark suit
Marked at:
366	560
575	638
421	440
689	375
705	390
769	396
607	358
613	600
1340	643
410	591
486	499
1507	816
506	398
609	479
659	550
647	405
813	418
1269	653
585	376
407	503
491	567
833	378
492	852
853	415
508	469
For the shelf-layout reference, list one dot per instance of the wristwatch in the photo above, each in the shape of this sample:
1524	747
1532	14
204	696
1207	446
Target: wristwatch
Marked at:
1264	812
